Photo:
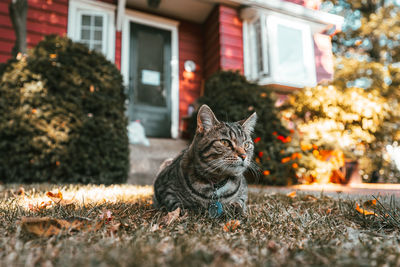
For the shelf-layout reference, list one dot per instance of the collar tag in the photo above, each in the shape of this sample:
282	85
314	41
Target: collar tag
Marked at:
215	209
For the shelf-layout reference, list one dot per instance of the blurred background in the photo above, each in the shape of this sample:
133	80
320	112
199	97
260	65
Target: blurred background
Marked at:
103	91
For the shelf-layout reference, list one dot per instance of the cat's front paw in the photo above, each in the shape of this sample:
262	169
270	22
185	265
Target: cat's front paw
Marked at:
238	208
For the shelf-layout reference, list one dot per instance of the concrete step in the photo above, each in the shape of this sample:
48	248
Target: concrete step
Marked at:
146	160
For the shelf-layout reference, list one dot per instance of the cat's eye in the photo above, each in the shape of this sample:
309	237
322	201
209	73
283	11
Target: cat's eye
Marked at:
225	142
246	145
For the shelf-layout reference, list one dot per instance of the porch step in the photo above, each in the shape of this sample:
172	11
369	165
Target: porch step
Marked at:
146	160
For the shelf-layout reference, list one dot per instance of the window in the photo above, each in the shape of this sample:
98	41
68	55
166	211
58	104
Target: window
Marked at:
92	23
92	31
259	58
279	51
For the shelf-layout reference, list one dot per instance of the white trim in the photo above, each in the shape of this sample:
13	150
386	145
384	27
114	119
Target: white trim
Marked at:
293	10
308	51
246	50
269	22
161	23
76	8
120	14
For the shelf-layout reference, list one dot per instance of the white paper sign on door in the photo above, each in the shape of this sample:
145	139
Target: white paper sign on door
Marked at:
151	77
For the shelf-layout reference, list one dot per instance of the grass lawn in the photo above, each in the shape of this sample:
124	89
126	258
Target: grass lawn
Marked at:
279	230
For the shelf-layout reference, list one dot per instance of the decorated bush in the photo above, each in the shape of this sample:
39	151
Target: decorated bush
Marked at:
233	98
340	122
62	117
334	126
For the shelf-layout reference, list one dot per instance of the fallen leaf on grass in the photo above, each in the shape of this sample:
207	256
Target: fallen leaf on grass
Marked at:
231	226
39	206
21	192
328	211
370	203
106	215
59	199
114	228
155	227
272	246
291	194
171	217
56	196
310	198
364	211
46	226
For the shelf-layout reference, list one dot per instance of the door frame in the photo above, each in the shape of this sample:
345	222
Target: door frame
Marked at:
161	23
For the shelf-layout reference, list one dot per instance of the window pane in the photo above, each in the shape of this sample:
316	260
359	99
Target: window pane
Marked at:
97	47
85	34
85	20
91	32
290	53
259	55
150	52
98	35
98	21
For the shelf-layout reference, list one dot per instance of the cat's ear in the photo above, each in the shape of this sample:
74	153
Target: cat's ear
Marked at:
205	119
249	123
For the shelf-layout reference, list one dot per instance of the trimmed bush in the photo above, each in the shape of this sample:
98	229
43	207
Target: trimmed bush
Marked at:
62	117
233	98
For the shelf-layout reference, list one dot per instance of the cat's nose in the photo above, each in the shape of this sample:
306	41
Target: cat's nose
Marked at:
242	156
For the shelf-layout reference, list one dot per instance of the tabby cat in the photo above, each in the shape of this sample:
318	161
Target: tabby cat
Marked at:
211	170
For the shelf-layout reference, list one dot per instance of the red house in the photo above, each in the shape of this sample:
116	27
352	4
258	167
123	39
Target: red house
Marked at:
166	48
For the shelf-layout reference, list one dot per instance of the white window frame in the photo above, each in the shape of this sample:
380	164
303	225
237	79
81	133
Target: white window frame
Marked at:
161	23
251	57
308	52
77	8
269	24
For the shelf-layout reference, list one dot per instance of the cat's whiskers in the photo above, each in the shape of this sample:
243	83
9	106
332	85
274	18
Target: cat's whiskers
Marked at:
219	151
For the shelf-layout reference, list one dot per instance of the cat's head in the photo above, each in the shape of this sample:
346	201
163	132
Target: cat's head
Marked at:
224	148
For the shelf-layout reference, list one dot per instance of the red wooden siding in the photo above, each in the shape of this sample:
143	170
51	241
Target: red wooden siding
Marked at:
223	41
231	39
44	17
323	57
7	37
118	38
190	48
211	44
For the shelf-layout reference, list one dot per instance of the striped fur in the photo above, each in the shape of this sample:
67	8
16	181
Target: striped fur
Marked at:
213	163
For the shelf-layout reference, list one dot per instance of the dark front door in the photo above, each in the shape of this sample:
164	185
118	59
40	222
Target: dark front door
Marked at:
150	79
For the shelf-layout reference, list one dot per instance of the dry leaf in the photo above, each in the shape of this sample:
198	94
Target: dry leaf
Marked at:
46	226
370	203
52	195
21	192
155	227
291	194
272	246
328	211
106	216
59	199
38	207
364	211
171	217
310	198
231	226
114	228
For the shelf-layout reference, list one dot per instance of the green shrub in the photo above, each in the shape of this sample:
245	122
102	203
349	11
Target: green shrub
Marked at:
233	98
62	117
